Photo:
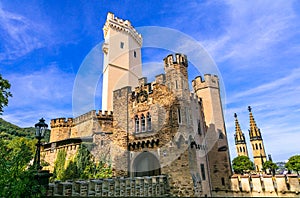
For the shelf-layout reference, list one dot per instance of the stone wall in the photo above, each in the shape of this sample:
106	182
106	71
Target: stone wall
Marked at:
262	186
155	186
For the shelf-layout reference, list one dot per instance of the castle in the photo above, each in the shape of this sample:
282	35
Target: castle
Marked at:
154	128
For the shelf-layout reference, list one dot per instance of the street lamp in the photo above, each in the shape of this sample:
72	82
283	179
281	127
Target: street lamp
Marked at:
40	129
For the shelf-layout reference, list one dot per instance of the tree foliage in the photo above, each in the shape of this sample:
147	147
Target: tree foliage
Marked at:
82	166
294	163
271	166
4	93
242	164
17	178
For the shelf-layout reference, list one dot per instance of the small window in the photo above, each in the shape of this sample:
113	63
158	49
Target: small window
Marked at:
256	147
260	146
240	149
253	147
134	54
199	128
179	115
244	149
221	135
137	124
223	181
143	122
176	84
202	171
121	45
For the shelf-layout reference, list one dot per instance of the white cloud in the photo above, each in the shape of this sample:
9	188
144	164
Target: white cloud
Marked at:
254	28
20	35
45	93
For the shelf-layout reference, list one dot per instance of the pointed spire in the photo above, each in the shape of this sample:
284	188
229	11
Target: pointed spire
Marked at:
239	135
254	131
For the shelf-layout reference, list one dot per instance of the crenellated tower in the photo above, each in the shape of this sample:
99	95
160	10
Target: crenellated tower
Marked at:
258	149
216	139
122	58
177	75
61	129
240	141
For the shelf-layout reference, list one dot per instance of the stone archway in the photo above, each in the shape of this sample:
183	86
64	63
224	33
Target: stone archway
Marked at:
146	164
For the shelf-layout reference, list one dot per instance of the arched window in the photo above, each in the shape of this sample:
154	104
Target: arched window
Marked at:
244	149
143	123
253	147
240	149
149	124
260	146
256	146
137	124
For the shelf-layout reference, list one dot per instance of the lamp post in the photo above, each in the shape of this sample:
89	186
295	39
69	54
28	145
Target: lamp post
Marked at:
40	129
42	176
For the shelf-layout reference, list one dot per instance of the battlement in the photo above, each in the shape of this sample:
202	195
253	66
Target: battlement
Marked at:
194	97
177	58
121	25
61	122
265	185
160	79
92	114
122	92
209	80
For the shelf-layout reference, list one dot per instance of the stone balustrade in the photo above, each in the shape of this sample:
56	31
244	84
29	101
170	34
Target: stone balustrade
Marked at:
154	186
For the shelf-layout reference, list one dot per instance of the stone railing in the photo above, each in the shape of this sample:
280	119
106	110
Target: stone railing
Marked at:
113	187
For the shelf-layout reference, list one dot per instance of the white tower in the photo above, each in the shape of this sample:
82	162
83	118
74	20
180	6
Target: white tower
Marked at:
122	58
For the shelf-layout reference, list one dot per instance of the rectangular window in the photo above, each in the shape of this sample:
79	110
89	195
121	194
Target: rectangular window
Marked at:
223	181
121	45
179	115
202	171
199	128
134	54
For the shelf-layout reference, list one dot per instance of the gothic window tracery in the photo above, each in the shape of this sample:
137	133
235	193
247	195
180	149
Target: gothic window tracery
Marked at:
137	124
143	123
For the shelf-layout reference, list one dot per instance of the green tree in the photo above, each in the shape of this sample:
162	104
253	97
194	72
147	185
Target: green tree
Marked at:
59	165
294	163
17	179
82	166
242	164
269	165
4	93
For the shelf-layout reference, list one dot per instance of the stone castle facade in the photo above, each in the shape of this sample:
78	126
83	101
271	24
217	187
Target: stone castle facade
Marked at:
152	128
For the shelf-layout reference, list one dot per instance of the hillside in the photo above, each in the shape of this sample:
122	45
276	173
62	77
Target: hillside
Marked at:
8	131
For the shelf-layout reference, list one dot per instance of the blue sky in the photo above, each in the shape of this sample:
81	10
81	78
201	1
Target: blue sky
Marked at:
255	45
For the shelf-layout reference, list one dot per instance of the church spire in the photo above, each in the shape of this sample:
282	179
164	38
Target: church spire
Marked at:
254	131
240	141
258	149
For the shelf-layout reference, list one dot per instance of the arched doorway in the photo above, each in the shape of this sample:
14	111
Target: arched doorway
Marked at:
146	164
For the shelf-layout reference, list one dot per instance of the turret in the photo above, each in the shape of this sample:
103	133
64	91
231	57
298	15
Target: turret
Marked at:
60	129
256	140
208	90
122	64
240	141
176	75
